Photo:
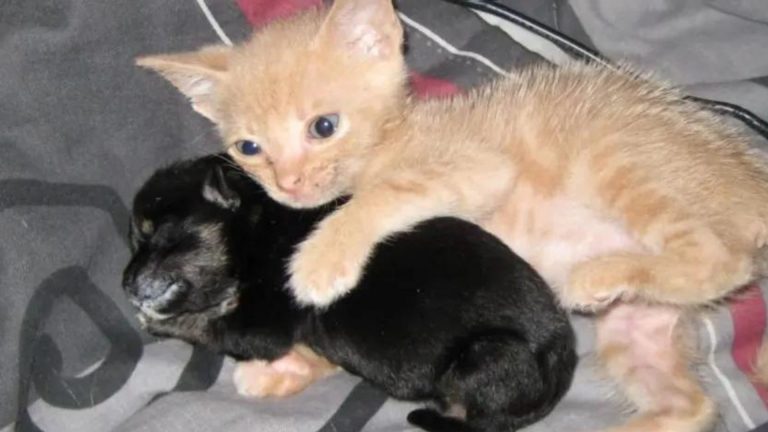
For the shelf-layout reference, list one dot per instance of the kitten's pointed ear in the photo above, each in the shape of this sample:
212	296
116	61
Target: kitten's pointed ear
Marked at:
217	191
196	74
367	28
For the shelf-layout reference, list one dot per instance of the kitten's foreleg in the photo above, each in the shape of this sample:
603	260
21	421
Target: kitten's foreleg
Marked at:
330	262
645	349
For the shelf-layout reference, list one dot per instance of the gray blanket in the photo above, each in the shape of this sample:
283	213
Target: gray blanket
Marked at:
81	128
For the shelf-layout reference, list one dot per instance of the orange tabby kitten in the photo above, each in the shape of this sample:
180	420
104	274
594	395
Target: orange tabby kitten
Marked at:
610	185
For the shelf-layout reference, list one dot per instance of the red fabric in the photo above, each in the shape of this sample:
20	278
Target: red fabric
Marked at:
749	318
426	86
260	12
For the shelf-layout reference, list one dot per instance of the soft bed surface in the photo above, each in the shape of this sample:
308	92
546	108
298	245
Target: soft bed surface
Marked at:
81	128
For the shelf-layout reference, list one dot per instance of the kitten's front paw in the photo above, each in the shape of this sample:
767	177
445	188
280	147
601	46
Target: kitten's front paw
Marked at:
595	284
257	378
324	269
285	376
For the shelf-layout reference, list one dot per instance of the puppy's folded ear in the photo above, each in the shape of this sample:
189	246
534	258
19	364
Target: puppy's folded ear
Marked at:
196	74
217	191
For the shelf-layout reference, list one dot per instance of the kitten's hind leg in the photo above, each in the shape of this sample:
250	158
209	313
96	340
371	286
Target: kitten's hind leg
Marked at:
669	277
688	253
658	422
643	348
693	266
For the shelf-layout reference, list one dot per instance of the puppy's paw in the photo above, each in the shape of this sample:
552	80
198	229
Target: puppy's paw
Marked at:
257	378
325	268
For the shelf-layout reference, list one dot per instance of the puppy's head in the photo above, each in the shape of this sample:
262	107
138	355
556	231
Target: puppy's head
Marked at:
180	235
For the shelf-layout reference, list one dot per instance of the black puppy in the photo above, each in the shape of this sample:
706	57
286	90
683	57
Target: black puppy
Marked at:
444	313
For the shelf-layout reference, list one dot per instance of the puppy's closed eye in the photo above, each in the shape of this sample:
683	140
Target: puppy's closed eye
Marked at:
138	231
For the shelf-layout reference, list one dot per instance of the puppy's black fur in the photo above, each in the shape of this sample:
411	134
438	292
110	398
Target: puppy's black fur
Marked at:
444	313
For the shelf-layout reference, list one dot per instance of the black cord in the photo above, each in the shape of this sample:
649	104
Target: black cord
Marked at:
583	52
566	43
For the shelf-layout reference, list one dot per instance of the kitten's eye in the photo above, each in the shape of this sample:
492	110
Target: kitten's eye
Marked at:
248	148
324	126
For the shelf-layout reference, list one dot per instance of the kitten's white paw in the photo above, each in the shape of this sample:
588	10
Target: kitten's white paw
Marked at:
320	274
596	284
586	301
257	378
311	293
248	378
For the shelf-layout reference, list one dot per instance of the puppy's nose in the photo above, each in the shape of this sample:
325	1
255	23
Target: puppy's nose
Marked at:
153	290
149	288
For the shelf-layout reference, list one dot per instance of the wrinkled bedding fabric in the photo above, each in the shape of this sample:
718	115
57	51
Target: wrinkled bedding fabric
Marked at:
81	128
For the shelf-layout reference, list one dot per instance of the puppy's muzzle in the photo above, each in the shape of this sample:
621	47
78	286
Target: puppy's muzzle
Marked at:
156	296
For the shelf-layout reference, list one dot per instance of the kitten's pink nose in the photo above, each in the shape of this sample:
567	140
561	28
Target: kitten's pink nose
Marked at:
290	183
